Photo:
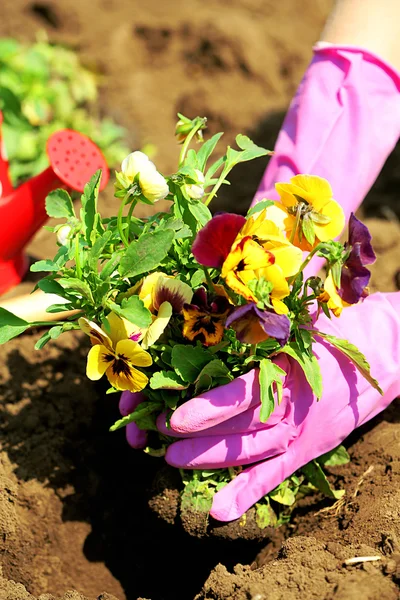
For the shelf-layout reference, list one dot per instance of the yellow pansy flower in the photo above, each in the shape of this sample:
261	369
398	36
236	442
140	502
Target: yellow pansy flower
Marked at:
243	264
115	355
285	262
163	295
307	204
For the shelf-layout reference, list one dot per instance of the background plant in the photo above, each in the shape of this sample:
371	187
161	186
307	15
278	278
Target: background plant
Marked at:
44	88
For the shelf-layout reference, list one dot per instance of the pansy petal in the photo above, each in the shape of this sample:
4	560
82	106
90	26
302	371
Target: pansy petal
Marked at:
98	361
214	240
359	234
131	351
353	283
278	214
279	306
120	329
285	191
335	302
240	288
288	258
331	230
174	291
148	285
275	275
203	326
97	336
158	326
123	376
315	190
276	326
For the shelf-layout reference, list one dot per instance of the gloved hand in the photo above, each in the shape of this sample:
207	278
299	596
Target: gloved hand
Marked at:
223	426
342	124
346	112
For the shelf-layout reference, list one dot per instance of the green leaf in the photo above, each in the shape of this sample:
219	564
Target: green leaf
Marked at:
216	369
197	497
336	272
188	361
259	207
50	286
89	205
249	151
146	254
59	204
44	265
73	283
200	212
316	477
143	410
354	355
51	334
197	278
55	308
134	310
97	249
203	384
307	227
283	494
265	515
337	456
206	150
309	364
110	266
11	325
270	378
167	380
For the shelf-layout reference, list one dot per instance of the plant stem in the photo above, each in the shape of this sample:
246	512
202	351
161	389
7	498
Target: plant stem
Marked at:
187	141
119	221
131	209
304	264
216	187
208	278
77	258
45	323
296	225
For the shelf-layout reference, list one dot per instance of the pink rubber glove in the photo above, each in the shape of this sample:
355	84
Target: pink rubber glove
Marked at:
223	426
342	124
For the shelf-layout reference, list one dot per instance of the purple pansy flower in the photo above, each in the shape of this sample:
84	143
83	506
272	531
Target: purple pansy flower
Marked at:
355	277
253	325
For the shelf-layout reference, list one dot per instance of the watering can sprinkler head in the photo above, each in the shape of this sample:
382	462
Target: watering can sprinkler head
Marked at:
73	158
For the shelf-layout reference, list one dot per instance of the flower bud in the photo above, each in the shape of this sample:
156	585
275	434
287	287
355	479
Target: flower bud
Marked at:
184	126
138	167
196	190
153	185
63	234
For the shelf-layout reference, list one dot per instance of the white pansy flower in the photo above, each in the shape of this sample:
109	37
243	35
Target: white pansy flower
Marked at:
196	190
152	184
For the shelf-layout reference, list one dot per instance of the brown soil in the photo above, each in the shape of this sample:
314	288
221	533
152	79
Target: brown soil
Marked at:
74	508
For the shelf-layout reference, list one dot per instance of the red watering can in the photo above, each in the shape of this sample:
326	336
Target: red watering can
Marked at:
73	158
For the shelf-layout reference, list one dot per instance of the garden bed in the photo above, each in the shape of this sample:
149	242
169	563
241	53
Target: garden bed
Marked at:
78	508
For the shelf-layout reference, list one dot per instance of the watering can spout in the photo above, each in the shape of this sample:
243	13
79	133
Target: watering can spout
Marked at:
74	158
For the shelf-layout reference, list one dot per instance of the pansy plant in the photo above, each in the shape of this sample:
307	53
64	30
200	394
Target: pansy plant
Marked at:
182	301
